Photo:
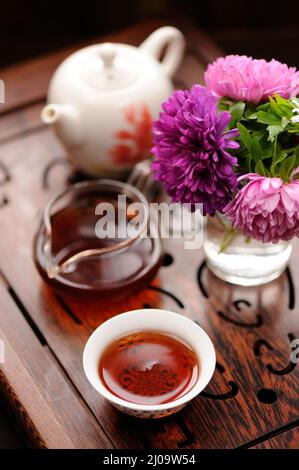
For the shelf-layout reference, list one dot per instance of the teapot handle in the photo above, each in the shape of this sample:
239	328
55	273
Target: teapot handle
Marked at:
173	40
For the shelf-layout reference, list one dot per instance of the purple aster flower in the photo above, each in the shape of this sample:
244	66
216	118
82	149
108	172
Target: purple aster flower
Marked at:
190	145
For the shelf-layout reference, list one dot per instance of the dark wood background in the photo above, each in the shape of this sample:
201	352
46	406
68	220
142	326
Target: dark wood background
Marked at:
259	27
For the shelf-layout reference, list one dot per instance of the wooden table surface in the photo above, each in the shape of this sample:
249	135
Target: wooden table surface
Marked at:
252	400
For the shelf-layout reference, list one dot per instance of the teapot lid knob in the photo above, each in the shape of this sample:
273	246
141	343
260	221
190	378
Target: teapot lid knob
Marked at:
107	66
107	54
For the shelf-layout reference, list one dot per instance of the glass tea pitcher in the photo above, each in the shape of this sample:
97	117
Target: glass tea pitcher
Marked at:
90	244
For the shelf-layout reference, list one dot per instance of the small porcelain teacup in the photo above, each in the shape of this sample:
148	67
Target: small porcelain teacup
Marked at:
162	321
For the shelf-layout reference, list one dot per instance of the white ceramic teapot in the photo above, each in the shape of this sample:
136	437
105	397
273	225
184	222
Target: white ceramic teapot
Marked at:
103	98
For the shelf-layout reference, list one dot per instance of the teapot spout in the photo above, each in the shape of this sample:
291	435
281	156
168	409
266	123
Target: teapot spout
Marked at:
65	120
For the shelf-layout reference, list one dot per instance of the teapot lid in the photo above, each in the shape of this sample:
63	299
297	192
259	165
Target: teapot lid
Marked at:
106	66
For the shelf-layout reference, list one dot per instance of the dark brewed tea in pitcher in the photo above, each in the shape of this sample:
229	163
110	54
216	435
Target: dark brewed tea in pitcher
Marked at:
78	261
149	368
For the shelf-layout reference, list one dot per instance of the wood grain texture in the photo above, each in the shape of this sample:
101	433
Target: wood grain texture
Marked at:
16	124
285	440
37	389
254	391
224	314
22	134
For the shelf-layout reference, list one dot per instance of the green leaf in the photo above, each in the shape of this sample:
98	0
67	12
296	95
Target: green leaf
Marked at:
236	111
279	156
267	149
274	130
296	154
287	167
284	122
256	150
263	107
268	118
222	105
261	169
250	112
294	131
280	101
274	106
245	136
259	134
281	106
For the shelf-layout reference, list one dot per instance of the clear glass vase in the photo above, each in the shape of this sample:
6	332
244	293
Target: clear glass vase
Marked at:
241	260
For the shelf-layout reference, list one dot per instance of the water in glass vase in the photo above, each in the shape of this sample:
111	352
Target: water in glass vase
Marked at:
240	260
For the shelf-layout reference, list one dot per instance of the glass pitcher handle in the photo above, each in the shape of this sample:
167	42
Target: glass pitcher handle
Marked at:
141	177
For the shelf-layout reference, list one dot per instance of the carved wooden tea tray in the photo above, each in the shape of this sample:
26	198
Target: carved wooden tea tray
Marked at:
252	400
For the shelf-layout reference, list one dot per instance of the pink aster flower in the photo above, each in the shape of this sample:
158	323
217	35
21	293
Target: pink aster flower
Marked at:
266	209
253	80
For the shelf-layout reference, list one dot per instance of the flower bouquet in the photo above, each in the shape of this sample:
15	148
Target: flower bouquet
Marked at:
233	146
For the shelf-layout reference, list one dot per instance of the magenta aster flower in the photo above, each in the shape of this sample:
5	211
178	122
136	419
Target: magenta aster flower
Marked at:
246	79
190	145
266	209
